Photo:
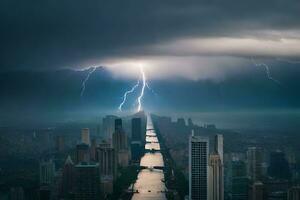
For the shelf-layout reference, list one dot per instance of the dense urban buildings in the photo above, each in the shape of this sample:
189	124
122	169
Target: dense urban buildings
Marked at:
203	166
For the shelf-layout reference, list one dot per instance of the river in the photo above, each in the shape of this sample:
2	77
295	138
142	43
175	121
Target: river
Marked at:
150	181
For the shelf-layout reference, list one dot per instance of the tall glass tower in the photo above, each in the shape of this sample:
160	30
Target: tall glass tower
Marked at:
198	168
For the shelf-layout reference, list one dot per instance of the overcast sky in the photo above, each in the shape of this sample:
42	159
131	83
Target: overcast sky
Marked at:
191	39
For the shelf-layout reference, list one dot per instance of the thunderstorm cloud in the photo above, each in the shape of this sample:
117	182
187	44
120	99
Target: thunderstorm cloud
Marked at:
192	39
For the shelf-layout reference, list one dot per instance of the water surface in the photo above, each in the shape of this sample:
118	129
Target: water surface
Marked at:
150	182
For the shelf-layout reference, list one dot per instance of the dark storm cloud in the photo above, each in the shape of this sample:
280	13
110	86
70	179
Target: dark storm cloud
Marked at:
45	34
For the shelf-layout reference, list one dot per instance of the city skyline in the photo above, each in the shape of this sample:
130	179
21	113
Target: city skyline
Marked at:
149	100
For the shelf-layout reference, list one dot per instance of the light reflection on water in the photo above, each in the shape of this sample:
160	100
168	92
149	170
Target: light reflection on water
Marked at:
152	160
149	183
151	139
152	146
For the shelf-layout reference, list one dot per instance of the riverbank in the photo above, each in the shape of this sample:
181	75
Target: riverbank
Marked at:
175	180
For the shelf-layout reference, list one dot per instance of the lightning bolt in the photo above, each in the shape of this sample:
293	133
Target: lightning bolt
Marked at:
127	93
267	70
144	79
144	84
86	79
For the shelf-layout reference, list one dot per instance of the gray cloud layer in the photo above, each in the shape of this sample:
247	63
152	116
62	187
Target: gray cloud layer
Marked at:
56	34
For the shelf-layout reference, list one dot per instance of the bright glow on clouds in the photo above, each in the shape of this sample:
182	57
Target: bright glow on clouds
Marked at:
205	58
284	47
193	68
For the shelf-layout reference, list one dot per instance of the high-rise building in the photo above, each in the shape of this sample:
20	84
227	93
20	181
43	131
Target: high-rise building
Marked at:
57	184
108	167
120	144
136	139
219	166
215	177
87	181
198	167
109	126
59	143
136	125
219	146
68	178
82	153
106	159
136	150
279	166
85	136
47	172
118	125
93	149
239	190
255	163
123	157
120	141
294	193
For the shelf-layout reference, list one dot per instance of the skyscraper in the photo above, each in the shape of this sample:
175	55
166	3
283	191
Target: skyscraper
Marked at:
108	167
215	165
279	166
136	125
239	180
219	146
120	144
47	172
109	126
107	162
82	153
254	163
87	182
118	125
93	149
215	177
68	178
198	167
120	140
59	143
136	139
85	136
